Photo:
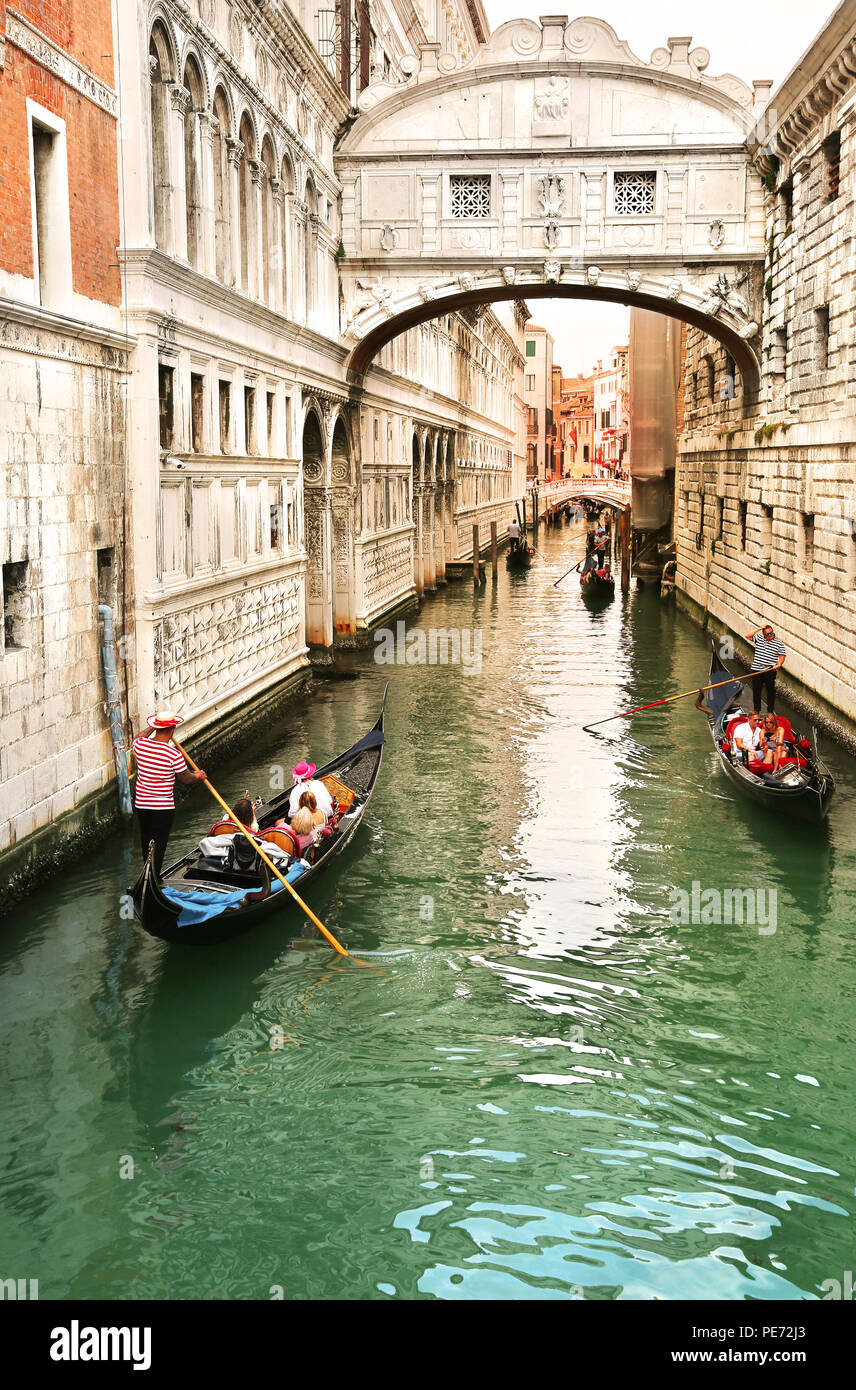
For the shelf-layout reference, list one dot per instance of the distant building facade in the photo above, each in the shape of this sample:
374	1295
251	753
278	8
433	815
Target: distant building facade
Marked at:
611	414
538	398
576	425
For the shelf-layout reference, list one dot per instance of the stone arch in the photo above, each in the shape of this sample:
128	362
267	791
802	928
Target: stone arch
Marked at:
343	501
162	70
310	250
248	220
221	108
193	202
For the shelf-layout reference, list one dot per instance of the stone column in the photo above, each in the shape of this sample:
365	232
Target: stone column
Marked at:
429	562
179	101
418	569
275	252
207	252
236	154
440	533
510	213
257	253
318	529
430	212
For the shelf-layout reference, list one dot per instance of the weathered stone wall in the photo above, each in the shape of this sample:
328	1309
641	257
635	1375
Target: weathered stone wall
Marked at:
62	500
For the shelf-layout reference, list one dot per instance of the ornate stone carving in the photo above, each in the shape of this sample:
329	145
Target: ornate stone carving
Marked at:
593	274
467	281
716	233
673	289
427	291
208	125
277	188
313	470
551	194
552	103
389	238
552	272
552	235
634	279
180	97
257	171
509	274
235	150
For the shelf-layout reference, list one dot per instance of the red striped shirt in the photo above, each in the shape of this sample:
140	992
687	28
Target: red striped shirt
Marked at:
157	764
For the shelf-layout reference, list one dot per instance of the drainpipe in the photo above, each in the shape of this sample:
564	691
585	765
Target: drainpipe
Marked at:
114	710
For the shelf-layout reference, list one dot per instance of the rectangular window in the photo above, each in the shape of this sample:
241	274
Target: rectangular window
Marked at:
728	380
765	533
197	412
50	208
634	194
224	391
832	166
741	520
786	205
470	196
779	352
106	575
271	400
530	347
533	420
821	338
720	508
166	404
15	605
275	526
806	543
250	419
530	381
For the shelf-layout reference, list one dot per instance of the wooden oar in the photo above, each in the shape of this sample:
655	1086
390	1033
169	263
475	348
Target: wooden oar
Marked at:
337	946
567	572
697	690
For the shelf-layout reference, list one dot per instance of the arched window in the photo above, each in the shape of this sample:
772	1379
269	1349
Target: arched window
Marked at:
249	229
310	253
161	72
222	192
193	162
271	251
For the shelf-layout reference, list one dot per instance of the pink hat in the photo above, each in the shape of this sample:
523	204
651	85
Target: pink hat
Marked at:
304	770
164	720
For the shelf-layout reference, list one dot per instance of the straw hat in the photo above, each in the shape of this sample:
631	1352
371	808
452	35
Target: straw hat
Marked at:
164	719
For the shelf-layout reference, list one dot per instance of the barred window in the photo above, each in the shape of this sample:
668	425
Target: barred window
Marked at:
634	194
470	195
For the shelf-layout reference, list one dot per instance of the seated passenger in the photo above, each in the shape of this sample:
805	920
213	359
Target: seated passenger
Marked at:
244	811
307	799
746	738
304	779
304	828
772	742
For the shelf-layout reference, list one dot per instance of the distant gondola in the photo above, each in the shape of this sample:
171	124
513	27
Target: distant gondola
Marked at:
802	787
201	900
595	581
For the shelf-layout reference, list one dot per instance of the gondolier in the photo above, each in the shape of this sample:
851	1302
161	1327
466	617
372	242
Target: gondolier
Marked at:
158	764
769	652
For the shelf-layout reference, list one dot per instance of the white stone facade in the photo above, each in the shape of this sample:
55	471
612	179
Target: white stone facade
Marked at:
766	498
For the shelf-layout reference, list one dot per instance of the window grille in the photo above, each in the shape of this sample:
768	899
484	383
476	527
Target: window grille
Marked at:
470	195
634	194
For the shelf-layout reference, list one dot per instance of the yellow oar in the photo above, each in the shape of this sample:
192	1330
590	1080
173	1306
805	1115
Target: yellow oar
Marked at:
337	946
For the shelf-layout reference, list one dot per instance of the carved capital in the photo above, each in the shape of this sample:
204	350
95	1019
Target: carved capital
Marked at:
258	172
235	149
180	97
208	125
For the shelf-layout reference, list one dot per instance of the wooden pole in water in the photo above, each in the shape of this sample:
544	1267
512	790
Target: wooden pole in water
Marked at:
493	548
476	573
624	527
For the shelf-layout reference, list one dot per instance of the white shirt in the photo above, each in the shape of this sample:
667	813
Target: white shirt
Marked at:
323	799
749	737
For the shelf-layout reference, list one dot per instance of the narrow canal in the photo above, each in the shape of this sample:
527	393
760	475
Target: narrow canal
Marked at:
550	1088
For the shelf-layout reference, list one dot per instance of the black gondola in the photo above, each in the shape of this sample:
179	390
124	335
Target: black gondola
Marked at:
802	788
234	899
596	581
519	557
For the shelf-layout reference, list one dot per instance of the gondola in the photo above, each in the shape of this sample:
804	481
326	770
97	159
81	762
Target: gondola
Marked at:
520	557
597	585
200	900
801	788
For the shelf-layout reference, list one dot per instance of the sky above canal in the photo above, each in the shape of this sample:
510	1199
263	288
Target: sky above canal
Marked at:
751	41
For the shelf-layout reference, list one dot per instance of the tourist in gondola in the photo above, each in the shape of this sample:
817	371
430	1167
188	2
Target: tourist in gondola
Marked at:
304	774
158	764
769	651
772	742
746	738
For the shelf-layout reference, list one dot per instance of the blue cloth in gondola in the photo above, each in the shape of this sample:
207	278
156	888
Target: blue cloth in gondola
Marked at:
198	906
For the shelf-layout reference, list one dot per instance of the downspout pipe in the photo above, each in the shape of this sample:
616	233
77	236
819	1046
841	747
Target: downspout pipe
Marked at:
113	708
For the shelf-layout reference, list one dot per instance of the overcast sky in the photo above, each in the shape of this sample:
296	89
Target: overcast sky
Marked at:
745	37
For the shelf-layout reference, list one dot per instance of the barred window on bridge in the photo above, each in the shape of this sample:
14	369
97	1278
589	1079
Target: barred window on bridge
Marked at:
634	194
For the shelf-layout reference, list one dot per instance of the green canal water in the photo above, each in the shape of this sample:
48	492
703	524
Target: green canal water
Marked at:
550	1088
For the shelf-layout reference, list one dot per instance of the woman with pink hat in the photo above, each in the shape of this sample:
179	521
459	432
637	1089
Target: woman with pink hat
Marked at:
303	776
158	764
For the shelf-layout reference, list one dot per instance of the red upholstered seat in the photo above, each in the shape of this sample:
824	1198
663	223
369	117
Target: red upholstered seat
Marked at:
785	723
732	725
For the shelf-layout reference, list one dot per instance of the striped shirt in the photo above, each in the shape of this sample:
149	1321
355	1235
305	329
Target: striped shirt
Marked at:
157	764
766	653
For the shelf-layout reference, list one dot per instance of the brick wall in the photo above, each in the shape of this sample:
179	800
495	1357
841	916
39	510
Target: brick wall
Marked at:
92	161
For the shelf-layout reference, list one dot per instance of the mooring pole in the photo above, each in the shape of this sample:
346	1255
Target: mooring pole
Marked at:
476	573
624	527
493	555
